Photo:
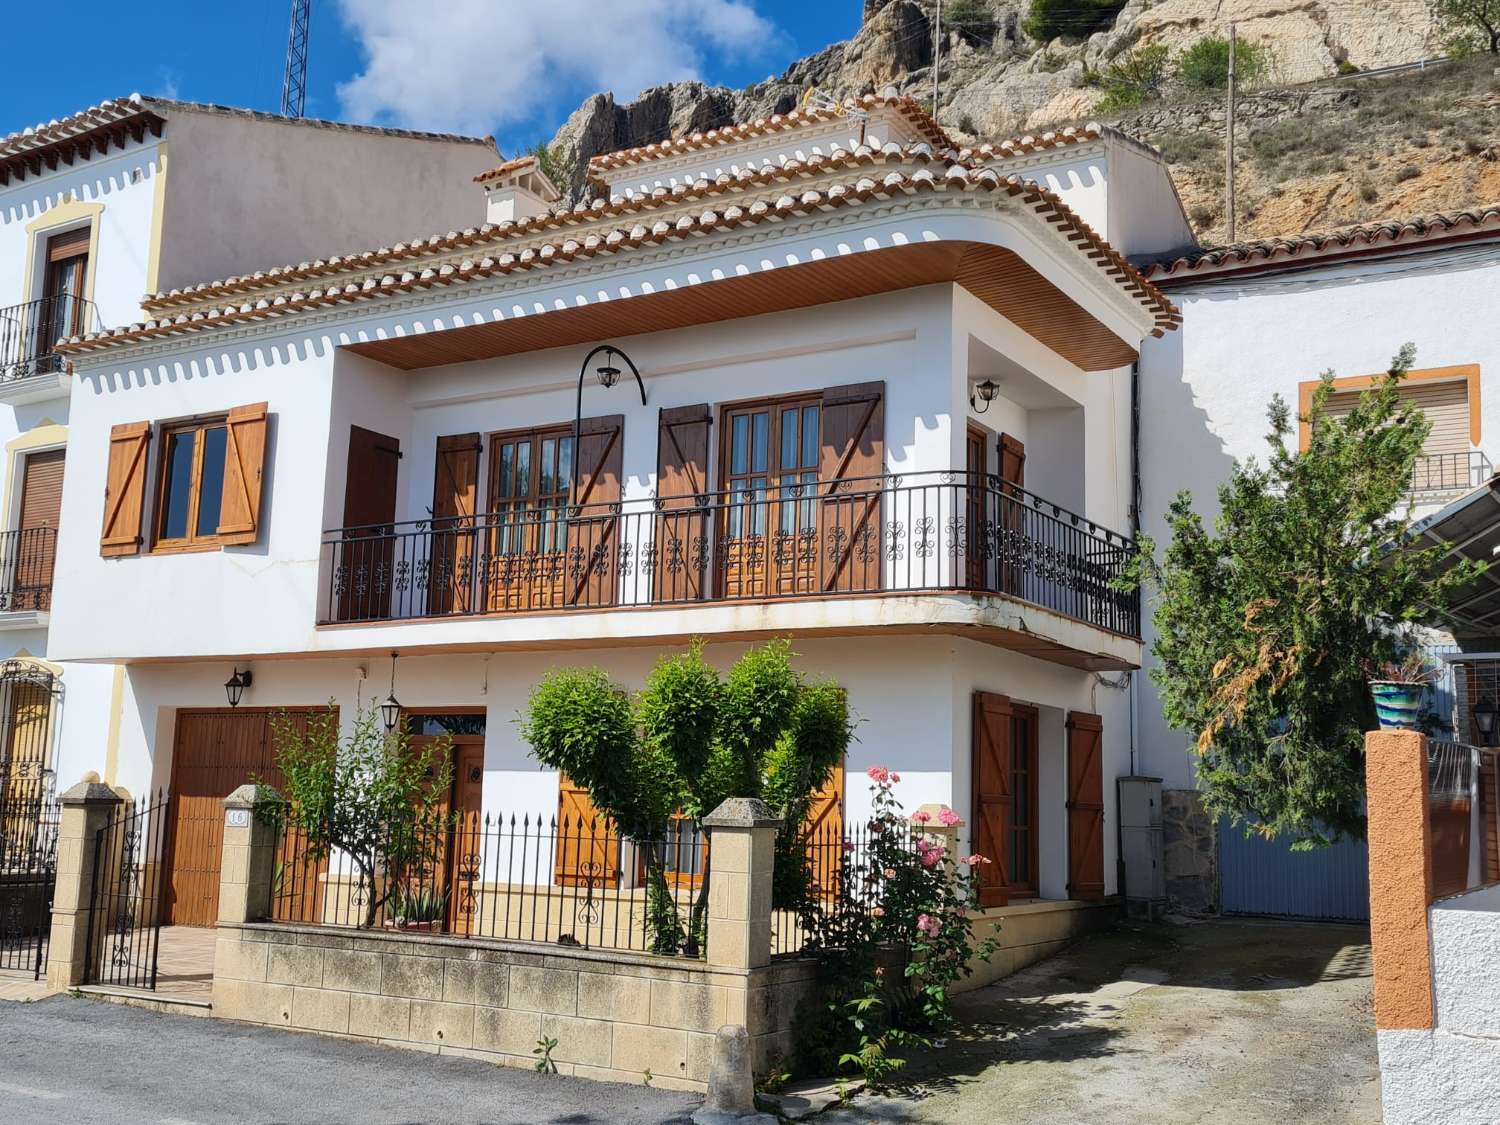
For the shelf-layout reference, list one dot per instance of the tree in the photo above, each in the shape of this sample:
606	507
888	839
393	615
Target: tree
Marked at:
1468	25
689	741
1073	19
1270	625
1205	65
559	164
1139	75
372	796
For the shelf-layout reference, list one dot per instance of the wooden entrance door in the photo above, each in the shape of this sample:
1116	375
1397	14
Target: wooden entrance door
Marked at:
771	458
823	832
1085	806
215	751
466	860
368	554
992	782
587	849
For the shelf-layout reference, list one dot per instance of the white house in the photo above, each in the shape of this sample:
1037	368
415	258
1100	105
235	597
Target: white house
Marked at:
1269	318
97	209
887	413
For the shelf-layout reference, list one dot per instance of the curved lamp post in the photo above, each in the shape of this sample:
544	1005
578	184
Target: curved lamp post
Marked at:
608	375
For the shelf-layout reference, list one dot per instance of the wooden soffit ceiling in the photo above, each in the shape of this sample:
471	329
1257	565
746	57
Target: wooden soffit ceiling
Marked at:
995	275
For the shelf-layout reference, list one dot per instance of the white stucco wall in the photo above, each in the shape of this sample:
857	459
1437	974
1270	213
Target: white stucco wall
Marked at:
1205	388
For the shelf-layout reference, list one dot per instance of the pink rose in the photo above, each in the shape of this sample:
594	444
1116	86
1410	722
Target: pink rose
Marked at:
929	859
927	924
974	860
878	912
948	816
890	872
895	777
848	847
879	773
921	817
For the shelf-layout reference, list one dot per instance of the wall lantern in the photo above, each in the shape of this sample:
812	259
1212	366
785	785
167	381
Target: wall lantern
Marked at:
608	374
235	686
985	393
390	710
1484	719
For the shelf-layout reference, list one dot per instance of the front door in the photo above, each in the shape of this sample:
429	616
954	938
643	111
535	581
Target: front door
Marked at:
769	527
457	874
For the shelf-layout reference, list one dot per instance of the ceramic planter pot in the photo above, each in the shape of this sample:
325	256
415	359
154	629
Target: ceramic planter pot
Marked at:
1398	705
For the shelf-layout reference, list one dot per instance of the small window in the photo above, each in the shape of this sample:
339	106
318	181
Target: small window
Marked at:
192	484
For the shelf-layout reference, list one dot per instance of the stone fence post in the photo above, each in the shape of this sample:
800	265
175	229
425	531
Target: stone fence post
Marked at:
86	808
249	857
742	843
1400	844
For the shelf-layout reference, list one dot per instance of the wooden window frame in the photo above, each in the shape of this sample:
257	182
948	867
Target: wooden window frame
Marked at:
1468	373
193	541
1033	717
773	434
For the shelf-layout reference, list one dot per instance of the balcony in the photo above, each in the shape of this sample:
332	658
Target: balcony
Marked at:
26	559
893	535
1448	474
30	331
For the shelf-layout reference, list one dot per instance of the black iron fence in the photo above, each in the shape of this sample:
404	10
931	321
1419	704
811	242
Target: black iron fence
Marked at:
877	535
27	556
824	883
29	820
569	881
29	333
127	894
1449	472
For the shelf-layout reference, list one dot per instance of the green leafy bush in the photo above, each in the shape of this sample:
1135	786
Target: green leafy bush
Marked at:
1134	78
1072	19
1205	65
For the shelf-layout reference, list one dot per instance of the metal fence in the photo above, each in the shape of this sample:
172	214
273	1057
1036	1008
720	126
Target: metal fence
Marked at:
29	821
891	534
27	557
127	893
1438	473
570	881
1463	807
29	333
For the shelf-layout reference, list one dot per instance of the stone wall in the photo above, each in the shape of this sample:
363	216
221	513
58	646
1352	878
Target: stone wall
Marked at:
616	1016
1190	851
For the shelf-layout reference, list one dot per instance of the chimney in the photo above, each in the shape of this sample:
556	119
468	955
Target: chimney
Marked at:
517	190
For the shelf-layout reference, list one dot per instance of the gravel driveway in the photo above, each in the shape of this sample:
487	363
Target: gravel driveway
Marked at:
1249	1022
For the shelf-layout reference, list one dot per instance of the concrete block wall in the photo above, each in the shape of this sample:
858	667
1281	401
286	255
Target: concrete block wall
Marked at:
615	1015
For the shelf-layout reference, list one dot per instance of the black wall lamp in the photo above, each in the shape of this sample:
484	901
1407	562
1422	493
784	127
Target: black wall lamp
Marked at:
390	710
235	686
983	392
608	374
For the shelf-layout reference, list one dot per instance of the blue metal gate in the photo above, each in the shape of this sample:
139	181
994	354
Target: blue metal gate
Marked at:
1266	877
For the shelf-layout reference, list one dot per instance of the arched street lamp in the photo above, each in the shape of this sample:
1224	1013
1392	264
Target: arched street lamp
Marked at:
608	375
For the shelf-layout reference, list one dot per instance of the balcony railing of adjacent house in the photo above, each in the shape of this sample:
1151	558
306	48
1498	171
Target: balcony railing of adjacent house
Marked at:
1437	473
26	560
29	334
892	535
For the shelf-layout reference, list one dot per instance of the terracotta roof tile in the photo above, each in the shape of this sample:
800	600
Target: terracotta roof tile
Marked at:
1308	248
509	166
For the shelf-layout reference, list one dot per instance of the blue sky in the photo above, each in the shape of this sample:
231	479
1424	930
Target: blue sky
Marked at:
511	68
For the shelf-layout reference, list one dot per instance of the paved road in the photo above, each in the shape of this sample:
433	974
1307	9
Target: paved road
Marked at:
80	1062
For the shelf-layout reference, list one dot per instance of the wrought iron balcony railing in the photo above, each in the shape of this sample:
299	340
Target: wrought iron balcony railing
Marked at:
881	535
1449	472
29	334
26	560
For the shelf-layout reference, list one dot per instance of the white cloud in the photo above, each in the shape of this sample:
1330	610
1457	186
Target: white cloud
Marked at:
478	66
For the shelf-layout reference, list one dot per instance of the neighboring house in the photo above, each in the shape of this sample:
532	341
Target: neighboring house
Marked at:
887	414
97	209
1269	318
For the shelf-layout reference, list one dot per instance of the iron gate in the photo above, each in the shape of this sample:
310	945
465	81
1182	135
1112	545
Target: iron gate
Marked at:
28	874
125	899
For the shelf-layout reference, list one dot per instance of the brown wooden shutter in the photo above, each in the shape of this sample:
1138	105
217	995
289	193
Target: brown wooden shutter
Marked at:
592	539
244	465
69	244
455	493
1012	460
1085	806
41	489
823	830
850	466
125	489
683	532
35	551
992	796
367	554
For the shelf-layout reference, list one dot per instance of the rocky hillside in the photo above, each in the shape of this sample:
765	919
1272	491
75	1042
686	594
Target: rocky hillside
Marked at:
1316	151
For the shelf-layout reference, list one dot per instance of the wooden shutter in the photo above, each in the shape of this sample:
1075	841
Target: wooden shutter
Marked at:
1085	806
41	489
992	796
125	489
455	493
587	847
35	550
244	464
592	539
824	832
1012	460
69	244
683	531
1012	506
851	463
367	554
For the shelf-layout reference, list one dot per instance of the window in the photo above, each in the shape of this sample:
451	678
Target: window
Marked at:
192	484
771	448
530	476
63	288
1022	857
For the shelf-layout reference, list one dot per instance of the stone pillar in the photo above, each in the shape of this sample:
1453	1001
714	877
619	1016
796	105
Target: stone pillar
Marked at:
742	836
249	857
86	808
731	1085
1400	841
935	830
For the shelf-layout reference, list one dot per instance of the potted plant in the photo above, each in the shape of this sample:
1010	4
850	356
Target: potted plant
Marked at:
420	909
1399	687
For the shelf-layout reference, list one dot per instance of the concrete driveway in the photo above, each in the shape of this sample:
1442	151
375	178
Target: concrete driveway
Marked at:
82	1062
1255	1023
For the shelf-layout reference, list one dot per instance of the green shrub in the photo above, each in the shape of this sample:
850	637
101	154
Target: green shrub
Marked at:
1073	19
1135	78
1205	65
973	19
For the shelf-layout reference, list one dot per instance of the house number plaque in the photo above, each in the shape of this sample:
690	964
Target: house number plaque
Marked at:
237	818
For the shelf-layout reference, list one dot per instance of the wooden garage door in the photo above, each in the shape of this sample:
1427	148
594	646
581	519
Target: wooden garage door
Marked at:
215	752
